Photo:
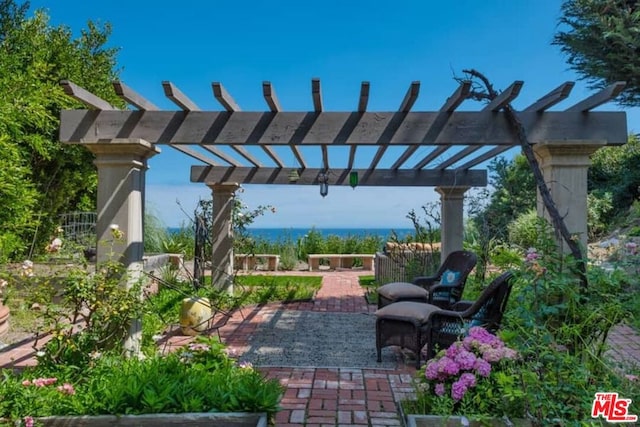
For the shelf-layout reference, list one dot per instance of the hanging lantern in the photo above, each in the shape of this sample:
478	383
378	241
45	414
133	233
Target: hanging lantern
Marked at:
323	179
324	189
294	176
353	179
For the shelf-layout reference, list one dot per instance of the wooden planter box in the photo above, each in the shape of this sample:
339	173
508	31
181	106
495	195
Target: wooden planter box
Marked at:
456	421
218	419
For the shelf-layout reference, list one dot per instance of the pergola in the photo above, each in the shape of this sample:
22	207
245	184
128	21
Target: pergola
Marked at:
123	141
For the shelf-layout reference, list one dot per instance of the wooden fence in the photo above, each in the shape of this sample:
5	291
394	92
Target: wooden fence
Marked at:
403	266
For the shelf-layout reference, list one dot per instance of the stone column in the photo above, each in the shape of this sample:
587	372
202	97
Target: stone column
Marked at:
452	219
122	164
222	235
564	165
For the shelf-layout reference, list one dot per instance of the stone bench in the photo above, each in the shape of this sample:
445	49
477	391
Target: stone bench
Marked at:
340	261
249	261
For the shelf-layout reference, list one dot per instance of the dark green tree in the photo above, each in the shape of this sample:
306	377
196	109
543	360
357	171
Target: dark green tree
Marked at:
514	194
601	39
42	178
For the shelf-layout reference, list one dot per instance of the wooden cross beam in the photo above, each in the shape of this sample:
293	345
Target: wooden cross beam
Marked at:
178	98
309	176
84	96
605	95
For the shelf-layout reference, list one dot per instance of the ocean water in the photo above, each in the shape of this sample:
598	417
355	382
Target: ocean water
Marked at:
281	234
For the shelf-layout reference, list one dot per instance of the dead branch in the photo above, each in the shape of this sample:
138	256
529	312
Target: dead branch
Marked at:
557	221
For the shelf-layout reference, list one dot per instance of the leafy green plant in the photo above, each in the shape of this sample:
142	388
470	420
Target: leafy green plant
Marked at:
198	378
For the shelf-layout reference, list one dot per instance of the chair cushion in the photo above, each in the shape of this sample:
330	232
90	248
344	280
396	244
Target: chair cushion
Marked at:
402	290
407	310
449	277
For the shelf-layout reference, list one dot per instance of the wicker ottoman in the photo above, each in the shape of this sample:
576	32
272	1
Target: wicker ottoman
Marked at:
403	324
392	292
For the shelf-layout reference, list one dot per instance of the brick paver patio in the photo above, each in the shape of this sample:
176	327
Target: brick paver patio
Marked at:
331	396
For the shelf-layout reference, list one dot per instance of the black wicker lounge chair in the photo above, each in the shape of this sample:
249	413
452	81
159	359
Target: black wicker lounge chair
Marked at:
413	325
442	289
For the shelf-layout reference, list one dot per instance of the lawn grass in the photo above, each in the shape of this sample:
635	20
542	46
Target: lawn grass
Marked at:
370	285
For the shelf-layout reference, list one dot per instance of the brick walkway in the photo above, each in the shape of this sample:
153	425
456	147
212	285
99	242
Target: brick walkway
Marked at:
332	397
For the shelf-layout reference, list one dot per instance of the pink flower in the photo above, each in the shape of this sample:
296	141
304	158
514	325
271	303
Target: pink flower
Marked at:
432	370
449	366
465	359
439	389
28	421
26	383
482	367
468	379
458	390
631	377
532	255
66	388
632	247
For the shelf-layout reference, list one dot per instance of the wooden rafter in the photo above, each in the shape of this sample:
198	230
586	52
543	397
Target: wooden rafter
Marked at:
438	151
364	97
410	97
484	157
352	156
223	97
84	96
270	97
605	95
508	95
221	154
178	98
552	98
458	156
316	94
325	157
378	177
453	102
194	154
132	97
247	155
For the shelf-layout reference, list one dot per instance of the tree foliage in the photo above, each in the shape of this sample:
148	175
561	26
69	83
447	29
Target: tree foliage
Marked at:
602	41
514	194
42	178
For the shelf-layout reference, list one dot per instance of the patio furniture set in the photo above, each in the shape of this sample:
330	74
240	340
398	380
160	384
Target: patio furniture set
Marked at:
429	312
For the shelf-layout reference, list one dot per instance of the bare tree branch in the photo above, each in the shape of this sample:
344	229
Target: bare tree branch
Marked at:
556	219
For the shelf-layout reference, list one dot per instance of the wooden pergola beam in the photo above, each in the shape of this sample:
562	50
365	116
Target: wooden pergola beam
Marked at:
223	97
438	151
325	157
194	154
458	156
132	97
178	98
286	128
508	95
410	97
453	102
316	94
352	156
605	95
270	97
274	156
552	98
378	156
247	155
484	157
309	176
364	97
216	151
84	96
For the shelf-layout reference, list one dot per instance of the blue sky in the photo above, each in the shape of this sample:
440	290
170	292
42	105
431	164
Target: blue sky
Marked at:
390	44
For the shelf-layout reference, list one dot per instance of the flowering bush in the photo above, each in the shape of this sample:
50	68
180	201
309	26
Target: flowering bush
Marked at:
468	378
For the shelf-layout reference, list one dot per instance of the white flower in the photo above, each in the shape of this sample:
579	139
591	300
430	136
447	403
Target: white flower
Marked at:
40	353
114	227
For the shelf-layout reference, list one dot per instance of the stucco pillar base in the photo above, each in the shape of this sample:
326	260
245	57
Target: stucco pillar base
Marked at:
564	166
222	235
452	219
122	164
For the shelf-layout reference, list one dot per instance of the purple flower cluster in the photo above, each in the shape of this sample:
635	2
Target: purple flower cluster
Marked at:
460	364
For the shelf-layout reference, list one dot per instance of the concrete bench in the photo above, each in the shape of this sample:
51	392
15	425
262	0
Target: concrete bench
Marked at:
341	260
249	261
